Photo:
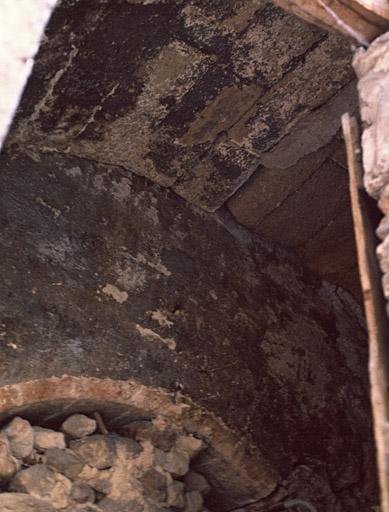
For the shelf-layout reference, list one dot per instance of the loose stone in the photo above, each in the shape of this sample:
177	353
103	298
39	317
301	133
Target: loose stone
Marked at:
78	426
45	438
102	484
193	501
20	436
154	485
191	445
19	502
65	462
98	450
8	464
175	495
196	482
99	473
109	505
126	448
43	483
175	462
82	493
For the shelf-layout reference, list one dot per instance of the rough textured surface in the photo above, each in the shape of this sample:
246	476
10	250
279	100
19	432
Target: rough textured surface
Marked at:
78	425
15	502
111	473
237	325
20	437
372	67
197	96
305	207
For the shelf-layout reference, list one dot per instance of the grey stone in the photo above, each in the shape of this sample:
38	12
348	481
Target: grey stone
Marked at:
8	464
82	507
81	492
126	447
193	501
98	450
18	502
143	430
78	425
110	505
154	485
65	462
175	462
101	483
175	495
20	436
43	483
45	438
196	482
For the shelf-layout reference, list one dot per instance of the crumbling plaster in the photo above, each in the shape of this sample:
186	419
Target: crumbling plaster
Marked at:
203	98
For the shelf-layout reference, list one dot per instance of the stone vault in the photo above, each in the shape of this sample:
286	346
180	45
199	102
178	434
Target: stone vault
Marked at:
174	215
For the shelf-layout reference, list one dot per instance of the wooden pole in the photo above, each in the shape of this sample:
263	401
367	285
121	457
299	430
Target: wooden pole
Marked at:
361	20
377	321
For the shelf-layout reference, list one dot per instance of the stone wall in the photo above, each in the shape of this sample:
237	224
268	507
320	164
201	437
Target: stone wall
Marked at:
107	275
204	97
372	67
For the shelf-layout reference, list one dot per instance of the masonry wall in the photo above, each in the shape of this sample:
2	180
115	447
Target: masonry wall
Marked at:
372	67
107	275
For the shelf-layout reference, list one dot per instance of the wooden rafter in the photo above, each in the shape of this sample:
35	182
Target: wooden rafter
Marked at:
361	20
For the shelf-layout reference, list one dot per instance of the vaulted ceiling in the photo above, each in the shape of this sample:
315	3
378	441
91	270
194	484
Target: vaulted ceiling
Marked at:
231	104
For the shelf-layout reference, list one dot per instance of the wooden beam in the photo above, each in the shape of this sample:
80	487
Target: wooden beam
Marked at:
360	20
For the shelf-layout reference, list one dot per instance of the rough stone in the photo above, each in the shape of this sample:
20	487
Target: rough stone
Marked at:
8	464
65	462
126	447
78	425
270	119
154	485
101	483
110	505
372	68
81	492
190	445
383	228
43	483
313	237
175	461
45	438
313	131
98	450
196	482
193	501
175	495
265	51
19	502
147	431
370	65
20	436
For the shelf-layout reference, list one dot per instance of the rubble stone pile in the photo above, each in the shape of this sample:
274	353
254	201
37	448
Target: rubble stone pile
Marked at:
144	467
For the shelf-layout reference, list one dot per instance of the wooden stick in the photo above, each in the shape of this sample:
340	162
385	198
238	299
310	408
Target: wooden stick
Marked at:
100	423
377	321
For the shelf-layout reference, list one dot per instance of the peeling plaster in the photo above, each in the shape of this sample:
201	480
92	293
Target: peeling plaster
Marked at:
149	333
